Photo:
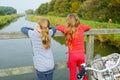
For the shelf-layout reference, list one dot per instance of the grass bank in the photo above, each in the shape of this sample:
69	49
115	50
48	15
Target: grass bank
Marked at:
113	39
7	19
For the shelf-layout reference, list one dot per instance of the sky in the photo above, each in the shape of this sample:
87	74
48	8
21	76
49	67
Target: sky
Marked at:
22	5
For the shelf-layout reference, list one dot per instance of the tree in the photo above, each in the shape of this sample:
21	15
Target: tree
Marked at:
74	6
101	10
61	7
7	10
57	6
2	12
29	11
114	8
42	9
64	6
51	6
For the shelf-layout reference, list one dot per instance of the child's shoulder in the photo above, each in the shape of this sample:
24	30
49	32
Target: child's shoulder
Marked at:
32	33
80	26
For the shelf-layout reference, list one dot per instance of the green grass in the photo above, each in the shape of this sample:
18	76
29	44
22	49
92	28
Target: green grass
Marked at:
7	19
61	20
54	20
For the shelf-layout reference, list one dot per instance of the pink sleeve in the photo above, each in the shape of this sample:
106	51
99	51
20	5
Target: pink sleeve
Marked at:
86	28
61	28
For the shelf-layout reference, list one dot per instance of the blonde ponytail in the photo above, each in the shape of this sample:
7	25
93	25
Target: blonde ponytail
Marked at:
45	38
44	32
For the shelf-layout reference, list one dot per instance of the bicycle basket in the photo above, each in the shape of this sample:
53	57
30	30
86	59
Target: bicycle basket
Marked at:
103	63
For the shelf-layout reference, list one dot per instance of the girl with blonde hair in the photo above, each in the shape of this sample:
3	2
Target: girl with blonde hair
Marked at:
40	38
74	33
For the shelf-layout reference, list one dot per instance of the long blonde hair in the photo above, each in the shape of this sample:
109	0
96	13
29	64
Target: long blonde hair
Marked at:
72	23
43	27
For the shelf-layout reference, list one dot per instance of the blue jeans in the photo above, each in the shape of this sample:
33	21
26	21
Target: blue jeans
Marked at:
47	75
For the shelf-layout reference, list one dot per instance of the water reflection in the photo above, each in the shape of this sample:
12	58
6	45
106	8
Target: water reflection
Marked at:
100	49
104	49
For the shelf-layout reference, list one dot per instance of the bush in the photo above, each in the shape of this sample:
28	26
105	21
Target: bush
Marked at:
51	13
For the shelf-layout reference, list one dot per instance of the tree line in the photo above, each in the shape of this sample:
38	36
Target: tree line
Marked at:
99	10
5	10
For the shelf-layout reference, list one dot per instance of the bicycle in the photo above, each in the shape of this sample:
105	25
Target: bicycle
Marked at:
81	74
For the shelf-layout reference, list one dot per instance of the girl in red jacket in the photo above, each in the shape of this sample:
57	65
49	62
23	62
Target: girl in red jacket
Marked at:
74	33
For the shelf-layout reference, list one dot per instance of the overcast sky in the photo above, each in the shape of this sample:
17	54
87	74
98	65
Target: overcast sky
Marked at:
22	5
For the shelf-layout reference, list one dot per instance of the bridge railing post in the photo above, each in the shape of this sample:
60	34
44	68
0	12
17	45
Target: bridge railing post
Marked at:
89	52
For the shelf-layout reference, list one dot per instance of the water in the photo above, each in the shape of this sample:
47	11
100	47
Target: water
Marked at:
18	52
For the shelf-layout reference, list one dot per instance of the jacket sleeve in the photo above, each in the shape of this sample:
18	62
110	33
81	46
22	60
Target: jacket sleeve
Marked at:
86	28
53	30
25	30
60	28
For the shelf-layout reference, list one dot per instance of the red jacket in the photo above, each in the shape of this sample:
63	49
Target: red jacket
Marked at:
76	45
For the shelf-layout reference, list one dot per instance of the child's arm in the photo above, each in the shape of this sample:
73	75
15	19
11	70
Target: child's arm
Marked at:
86	28
25	30
61	28
53	30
